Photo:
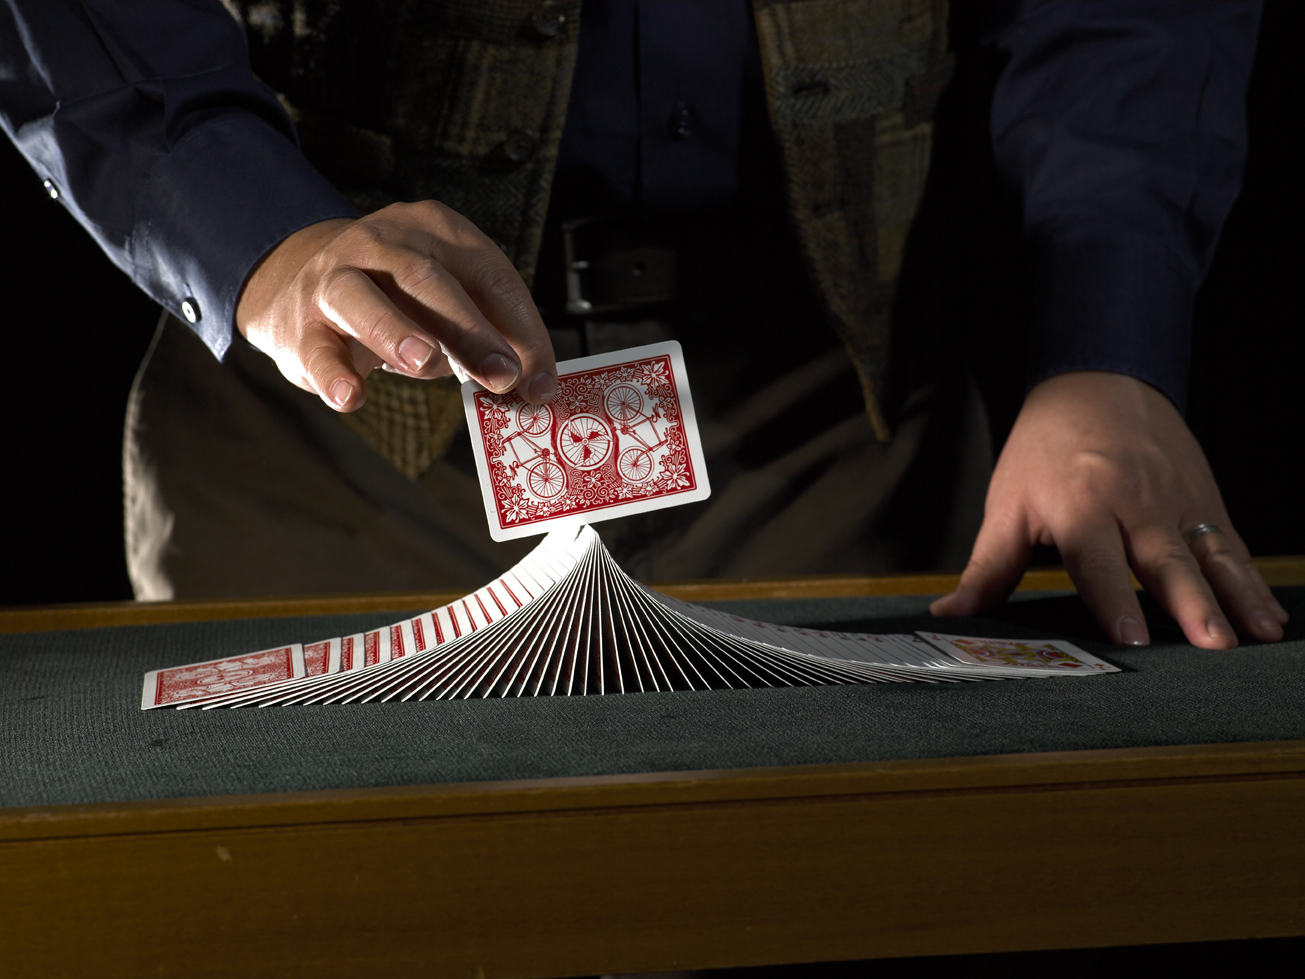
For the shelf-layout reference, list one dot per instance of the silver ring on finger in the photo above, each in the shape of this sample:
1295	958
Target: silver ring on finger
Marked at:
1191	533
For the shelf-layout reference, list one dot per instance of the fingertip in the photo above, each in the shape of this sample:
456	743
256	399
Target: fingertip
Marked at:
1265	627
415	354
344	395
1131	631
955	603
1218	635
500	373
542	388
939	606
1219	628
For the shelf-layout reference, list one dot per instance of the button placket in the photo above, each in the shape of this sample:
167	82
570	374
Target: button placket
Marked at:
548	19
519	145
681	122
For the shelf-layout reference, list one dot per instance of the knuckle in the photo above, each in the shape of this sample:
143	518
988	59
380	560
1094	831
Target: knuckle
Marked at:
434	210
1092	475
419	276
501	283
319	364
334	286
1170	556
440	220
1217	547
1098	560
375	327
366	237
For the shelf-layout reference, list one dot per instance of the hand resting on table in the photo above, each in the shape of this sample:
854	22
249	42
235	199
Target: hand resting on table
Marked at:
405	287
1103	466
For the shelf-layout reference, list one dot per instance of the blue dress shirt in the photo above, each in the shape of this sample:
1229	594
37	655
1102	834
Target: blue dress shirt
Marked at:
1118	126
146	122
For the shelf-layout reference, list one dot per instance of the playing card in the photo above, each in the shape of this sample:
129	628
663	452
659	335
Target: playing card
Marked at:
321	657
1052	655
619	437
179	684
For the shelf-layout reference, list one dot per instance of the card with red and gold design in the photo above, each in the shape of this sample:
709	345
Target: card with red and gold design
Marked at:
619	437
1037	654
178	685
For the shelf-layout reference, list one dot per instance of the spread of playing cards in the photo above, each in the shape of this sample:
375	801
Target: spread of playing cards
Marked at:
620	437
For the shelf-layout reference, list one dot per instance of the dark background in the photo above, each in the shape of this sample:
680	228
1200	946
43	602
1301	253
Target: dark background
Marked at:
78	329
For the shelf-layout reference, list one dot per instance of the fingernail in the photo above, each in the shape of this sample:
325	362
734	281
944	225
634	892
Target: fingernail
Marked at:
1219	629
499	372
1266	624
1132	632
341	391
543	387
415	353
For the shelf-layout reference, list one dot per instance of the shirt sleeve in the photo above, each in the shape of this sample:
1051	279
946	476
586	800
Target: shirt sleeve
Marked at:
1121	129
148	125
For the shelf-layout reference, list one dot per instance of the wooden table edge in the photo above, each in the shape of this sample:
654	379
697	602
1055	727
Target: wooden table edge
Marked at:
1281	571
1028	772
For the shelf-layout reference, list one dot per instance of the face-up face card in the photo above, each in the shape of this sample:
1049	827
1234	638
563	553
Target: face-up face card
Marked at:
180	684
619	437
1048	654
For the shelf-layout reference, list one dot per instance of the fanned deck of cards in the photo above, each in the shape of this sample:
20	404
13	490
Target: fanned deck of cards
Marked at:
620	437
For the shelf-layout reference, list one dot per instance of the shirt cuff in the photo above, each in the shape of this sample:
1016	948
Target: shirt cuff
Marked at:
228	193
1114	303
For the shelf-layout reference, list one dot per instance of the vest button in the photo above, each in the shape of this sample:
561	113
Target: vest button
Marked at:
190	309
52	189
680	124
519	145
548	19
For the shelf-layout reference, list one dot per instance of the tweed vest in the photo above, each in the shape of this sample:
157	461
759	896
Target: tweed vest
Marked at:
463	101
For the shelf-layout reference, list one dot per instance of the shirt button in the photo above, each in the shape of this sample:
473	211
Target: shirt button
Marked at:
52	189
548	19
681	123
519	145
190	309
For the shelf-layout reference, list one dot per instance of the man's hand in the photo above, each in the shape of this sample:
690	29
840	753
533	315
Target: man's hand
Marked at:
1102	466
406	288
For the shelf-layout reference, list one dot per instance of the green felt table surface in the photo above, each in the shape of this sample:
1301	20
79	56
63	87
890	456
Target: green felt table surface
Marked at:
71	730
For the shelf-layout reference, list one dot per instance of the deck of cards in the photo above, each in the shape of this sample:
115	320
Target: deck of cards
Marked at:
620	437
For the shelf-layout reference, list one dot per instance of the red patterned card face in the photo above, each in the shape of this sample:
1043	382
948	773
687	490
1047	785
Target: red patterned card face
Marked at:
619	437
179	684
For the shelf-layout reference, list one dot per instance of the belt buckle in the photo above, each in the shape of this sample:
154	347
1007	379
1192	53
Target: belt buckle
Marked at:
614	264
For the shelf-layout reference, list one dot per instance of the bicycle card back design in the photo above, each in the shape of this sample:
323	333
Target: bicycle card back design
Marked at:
619	437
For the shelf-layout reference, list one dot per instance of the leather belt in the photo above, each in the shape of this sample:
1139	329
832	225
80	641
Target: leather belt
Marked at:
616	264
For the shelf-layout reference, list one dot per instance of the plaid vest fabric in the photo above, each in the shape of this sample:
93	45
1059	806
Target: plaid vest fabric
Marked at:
463	101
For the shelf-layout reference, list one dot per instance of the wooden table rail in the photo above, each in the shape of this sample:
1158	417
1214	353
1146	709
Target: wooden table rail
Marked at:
1287	570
